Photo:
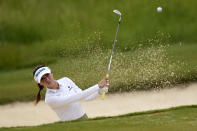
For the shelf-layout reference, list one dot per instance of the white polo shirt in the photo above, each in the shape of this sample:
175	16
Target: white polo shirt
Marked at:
65	101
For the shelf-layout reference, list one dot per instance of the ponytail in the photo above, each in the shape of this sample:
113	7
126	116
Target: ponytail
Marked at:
38	98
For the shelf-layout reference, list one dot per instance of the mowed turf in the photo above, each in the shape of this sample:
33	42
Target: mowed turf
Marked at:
126	73
174	119
184	52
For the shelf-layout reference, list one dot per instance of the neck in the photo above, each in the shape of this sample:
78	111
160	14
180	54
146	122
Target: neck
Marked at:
53	85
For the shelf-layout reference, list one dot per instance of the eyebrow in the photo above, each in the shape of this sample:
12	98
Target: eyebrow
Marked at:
45	75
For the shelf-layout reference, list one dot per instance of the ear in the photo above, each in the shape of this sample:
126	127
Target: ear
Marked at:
40	84
51	73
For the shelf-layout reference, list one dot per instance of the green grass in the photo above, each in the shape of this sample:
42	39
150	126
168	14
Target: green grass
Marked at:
144	68
33	28
184	52
174	119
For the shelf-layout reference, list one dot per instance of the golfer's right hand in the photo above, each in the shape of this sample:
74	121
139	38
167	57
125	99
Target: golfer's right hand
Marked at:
103	83
104	89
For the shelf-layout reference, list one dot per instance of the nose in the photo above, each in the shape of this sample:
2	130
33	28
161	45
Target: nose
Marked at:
47	79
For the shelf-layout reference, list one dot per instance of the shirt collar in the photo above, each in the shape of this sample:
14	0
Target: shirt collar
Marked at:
54	90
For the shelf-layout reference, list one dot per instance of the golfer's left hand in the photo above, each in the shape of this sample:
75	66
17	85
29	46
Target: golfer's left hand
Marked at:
103	83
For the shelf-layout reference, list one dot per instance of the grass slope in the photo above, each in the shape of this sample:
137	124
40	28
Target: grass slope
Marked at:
34	31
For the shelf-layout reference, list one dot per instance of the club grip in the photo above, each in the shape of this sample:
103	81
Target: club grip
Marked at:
103	95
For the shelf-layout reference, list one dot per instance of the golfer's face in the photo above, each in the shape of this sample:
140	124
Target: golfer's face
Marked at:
46	79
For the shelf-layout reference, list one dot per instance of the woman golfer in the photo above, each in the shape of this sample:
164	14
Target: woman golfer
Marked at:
63	95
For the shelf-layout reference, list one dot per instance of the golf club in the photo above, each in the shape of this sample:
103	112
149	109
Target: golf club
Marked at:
110	60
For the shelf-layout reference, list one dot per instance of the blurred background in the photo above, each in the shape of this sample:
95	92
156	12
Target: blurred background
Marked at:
74	38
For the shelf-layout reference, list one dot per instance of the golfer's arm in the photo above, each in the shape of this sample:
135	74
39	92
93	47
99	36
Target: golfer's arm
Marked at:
57	101
92	96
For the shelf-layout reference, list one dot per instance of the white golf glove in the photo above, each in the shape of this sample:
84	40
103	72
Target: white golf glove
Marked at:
101	90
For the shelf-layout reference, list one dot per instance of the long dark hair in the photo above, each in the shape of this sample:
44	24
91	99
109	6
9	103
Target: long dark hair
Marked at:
38	97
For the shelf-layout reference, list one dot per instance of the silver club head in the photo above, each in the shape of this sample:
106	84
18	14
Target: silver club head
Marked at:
117	12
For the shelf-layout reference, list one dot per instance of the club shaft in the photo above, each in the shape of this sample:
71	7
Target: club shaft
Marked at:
110	60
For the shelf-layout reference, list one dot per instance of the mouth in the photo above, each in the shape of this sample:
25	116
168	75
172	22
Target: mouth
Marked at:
48	81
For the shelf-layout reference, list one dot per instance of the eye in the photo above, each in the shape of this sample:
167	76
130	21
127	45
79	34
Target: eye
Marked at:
43	78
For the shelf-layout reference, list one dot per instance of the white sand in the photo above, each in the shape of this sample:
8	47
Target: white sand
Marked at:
26	114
